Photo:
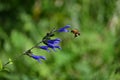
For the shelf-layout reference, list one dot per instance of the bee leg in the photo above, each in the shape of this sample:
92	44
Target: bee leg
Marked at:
75	35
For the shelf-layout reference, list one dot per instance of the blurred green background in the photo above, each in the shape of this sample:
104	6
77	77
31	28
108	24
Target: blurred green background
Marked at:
94	55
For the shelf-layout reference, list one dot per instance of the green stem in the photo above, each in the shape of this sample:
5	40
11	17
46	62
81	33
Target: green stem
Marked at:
27	51
35	45
21	54
12	60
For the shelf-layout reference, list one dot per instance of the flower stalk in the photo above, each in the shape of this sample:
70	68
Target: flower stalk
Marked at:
48	44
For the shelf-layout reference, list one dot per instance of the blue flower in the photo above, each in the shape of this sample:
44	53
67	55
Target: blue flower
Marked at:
54	43
64	29
36	57
52	46
44	48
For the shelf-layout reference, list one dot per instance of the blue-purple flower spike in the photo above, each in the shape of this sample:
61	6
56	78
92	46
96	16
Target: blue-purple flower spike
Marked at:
54	43
48	42
36	57
64	29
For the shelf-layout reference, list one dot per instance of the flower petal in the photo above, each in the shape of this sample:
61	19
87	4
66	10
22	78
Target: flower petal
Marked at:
58	47
44	48
64	29
54	41
36	57
67	26
57	39
52	46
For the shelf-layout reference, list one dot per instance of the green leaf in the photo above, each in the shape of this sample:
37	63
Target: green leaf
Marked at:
10	60
1	66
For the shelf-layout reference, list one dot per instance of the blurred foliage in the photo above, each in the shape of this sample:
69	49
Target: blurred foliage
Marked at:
0	66
92	56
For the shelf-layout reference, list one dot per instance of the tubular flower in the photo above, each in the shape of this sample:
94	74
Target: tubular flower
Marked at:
44	48
54	41
64	29
54	44
36	57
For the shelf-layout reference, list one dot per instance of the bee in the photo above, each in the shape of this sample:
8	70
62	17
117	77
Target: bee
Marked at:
75	32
